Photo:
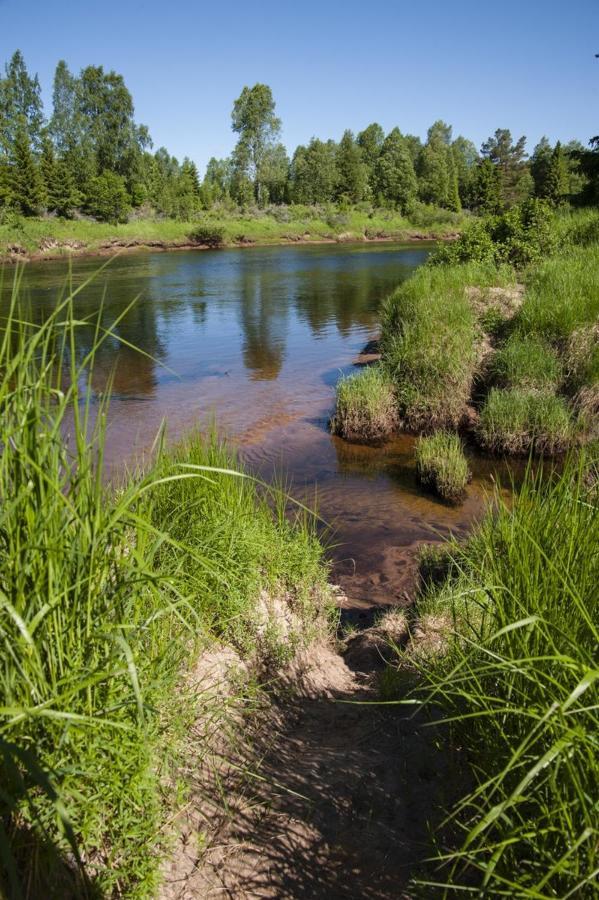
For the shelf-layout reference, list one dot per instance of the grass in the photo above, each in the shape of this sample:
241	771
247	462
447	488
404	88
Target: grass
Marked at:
517	684
517	421
527	362
561	295
106	597
429	344
442	466
277	224
366	407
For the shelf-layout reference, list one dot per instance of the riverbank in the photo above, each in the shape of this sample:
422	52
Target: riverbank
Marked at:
51	238
506	356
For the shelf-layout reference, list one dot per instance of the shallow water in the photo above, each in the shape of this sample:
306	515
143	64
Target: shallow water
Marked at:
258	338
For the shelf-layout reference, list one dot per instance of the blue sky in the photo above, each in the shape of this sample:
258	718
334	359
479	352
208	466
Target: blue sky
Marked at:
528	66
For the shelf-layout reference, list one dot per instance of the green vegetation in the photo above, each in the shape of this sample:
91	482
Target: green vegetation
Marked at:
442	466
429	344
515	677
517	421
106	599
20	237
366	407
527	361
89	156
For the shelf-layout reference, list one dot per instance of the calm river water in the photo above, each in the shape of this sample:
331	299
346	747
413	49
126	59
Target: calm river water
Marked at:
258	338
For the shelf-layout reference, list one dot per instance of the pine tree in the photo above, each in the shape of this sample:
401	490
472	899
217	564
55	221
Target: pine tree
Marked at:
25	183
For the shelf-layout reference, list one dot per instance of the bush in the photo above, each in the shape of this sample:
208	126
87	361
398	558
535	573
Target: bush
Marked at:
523	235
517	420
207	235
442	466
366	407
518	683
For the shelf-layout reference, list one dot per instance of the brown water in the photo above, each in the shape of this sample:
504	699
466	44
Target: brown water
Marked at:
258	338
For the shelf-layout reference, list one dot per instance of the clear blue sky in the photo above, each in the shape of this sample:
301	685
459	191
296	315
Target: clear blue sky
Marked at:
528	66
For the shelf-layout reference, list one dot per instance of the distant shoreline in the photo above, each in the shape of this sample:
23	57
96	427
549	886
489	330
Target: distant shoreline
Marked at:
38	240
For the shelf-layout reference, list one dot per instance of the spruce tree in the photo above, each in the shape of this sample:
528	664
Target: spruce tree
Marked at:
25	183
558	176
352	171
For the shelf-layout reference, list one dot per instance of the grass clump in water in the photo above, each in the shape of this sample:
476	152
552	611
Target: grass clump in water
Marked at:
366	406
518	682
516	421
442	466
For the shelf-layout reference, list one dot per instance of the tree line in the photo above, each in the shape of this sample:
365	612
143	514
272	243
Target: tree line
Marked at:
90	157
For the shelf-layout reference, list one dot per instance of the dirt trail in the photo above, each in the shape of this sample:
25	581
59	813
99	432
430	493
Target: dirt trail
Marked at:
340	799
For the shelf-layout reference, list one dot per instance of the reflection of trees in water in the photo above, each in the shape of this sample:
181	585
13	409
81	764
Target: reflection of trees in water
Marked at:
346	296
263	313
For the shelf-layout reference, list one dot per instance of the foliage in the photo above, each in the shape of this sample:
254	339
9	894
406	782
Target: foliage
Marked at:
523	235
109	200
106	597
517	684
442	466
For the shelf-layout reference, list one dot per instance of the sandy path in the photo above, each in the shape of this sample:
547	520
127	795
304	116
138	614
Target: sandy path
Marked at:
341	804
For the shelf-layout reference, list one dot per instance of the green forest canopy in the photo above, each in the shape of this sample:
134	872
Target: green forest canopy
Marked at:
90	156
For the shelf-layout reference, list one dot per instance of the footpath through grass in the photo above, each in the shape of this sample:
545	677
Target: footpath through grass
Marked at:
106	598
27	237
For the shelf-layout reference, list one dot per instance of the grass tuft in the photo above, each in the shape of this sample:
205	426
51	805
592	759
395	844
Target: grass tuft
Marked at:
516	421
366	407
442	466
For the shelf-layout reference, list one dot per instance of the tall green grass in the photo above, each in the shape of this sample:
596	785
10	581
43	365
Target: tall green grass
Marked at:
105	597
517	421
429	343
442	466
518	683
365	406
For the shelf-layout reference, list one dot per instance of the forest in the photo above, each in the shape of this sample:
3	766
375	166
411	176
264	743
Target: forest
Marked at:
88	157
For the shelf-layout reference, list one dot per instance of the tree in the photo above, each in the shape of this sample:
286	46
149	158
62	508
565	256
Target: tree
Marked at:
436	171
109	200
25	183
370	141
558	176
486	189
254	120
352	185
20	104
395	177
216	185
313	172
273	174
465	158
510	161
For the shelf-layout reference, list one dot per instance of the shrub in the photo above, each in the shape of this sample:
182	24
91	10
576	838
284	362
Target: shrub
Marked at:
518	683
366	407
523	235
527	362
208	235
442	466
517	420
